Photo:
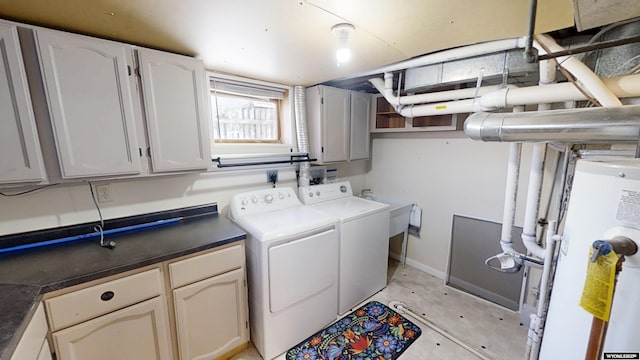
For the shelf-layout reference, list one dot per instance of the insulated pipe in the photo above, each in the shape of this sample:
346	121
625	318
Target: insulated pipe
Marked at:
588	78
576	126
462	52
301	133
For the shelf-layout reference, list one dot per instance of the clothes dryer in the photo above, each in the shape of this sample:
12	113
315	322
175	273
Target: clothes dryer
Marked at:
364	240
292	267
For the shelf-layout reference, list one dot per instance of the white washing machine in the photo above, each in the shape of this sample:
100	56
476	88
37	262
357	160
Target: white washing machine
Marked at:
364	240
292	267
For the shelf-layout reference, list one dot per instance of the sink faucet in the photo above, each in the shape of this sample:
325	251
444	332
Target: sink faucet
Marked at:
366	193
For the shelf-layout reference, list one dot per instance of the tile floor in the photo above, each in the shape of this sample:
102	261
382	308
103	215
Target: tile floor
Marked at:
488	328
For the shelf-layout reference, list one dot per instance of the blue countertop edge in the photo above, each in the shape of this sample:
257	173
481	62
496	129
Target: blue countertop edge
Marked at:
45	270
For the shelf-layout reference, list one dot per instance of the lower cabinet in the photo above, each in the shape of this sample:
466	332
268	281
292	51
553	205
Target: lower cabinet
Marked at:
208	329
33	345
204	314
210	303
138	332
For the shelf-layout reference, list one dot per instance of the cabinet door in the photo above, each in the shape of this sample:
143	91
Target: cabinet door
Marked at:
177	110
360	118
90	103
21	160
211	316
45	352
335	124
138	332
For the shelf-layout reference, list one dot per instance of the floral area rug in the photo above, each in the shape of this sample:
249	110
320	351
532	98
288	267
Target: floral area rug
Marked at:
373	331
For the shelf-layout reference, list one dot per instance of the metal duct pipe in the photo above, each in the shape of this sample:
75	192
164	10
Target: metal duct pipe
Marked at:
301	133
577	126
462	52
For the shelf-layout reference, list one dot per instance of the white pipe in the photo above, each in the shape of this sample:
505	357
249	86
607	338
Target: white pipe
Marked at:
536	325
463	52
592	83
451	107
547	76
533	201
438	96
511	194
621	86
387	91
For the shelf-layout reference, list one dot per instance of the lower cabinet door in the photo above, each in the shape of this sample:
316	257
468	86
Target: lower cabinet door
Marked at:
137	332
45	353
211	316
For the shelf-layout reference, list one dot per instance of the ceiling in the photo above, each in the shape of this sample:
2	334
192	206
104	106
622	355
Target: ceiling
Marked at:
289	41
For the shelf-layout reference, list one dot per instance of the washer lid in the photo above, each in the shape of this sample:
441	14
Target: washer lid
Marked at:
284	223
350	207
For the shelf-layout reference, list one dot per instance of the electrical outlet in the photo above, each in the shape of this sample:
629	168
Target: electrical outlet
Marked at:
272	176
103	192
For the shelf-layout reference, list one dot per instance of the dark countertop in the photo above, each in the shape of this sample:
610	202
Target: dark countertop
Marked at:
26	276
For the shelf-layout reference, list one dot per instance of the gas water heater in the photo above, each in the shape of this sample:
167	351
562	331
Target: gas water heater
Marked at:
604	203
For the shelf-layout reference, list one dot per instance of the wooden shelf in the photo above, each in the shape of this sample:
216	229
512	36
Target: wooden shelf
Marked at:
387	120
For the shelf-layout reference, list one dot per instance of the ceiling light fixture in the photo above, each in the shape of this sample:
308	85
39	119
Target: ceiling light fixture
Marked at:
342	32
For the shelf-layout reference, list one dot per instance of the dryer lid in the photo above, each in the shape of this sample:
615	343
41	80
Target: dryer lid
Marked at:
351	207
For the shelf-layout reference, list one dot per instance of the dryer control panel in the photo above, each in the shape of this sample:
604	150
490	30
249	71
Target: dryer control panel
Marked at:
318	193
258	201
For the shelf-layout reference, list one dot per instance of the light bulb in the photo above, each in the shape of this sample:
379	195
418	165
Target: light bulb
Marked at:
343	55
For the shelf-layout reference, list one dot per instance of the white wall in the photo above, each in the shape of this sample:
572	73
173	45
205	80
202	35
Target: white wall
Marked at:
72	204
445	173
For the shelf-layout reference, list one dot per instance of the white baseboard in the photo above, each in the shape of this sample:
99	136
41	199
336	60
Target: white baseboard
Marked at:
420	266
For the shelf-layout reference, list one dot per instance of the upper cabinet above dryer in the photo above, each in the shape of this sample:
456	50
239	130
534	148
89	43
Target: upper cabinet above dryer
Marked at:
176	108
338	123
21	160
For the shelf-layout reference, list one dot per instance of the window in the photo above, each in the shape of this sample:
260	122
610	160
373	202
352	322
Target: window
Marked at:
241	118
247	112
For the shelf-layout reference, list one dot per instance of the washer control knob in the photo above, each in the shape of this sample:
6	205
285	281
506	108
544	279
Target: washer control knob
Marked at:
280	196
244	202
268	198
254	200
343	189
310	194
318	193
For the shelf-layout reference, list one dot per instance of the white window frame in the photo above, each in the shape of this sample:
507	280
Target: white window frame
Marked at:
238	151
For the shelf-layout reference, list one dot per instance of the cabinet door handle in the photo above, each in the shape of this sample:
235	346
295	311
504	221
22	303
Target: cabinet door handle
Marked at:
107	295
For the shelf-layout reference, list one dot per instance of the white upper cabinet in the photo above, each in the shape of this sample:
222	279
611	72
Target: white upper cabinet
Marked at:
176	107
328	113
21	160
360	120
91	104
338	122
